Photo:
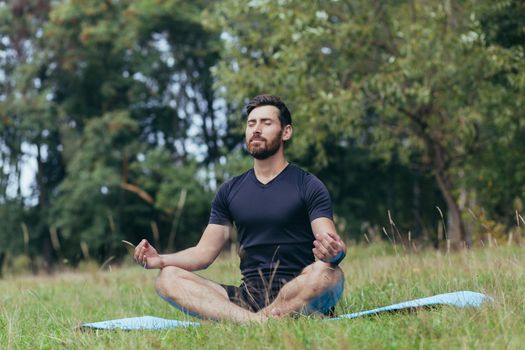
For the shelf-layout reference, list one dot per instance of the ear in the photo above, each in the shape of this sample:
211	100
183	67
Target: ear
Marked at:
287	132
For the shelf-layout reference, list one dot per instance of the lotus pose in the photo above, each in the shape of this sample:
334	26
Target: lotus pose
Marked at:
283	216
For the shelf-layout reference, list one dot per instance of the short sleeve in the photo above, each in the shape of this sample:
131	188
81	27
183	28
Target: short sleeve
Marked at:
220	213
317	198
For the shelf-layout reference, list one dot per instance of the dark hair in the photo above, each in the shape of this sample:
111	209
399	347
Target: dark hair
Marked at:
268	100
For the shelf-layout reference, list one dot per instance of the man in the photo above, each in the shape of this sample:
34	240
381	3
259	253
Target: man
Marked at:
284	220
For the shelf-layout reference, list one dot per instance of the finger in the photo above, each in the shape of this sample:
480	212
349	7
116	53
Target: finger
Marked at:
140	256
318	254
334	236
335	246
328	245
143	254
340	245
321	248
331	252
138	249
334	250
136	253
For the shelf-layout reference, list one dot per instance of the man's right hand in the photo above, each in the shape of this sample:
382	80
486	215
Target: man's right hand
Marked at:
147	256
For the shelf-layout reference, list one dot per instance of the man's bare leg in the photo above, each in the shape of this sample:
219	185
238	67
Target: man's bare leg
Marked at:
200	296
296	294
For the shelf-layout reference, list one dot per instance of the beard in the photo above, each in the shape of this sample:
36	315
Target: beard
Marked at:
264	149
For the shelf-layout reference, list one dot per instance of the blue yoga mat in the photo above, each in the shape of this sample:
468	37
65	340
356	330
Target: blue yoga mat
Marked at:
141	322
458	299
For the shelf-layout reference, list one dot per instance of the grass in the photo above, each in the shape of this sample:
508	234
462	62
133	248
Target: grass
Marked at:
42	312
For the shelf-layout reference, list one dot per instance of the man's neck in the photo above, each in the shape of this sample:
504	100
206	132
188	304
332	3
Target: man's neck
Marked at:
267	169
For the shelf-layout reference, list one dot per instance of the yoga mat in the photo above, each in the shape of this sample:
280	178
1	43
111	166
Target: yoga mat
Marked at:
458	299
137	323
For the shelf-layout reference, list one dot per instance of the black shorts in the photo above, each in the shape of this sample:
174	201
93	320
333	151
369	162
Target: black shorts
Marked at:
256	294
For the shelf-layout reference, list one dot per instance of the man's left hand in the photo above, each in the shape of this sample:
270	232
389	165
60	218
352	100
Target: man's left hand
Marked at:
327	246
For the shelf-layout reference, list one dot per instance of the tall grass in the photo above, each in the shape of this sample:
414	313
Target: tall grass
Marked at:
43	312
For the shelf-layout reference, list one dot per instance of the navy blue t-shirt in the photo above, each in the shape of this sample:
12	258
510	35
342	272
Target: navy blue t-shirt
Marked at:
272	220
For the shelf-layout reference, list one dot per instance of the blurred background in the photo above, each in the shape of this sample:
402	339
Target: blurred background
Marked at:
119	118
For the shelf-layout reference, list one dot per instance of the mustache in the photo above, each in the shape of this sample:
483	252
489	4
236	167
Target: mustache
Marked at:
257	138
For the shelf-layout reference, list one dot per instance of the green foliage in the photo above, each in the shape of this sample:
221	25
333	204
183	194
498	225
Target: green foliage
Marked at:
499	171
88	198
130	113
411	83
98	87
182	196
277	48
11	217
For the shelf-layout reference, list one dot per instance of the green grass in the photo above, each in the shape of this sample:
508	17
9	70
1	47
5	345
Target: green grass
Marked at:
42	312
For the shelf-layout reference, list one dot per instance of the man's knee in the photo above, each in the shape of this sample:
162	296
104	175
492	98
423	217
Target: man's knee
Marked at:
325	285
323	275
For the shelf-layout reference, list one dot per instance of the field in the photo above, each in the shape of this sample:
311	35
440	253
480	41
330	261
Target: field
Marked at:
42	312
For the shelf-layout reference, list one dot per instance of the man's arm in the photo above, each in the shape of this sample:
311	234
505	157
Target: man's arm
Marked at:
191	259
328	246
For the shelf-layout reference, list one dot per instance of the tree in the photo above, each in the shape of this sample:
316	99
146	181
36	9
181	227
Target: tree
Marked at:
28	125
498	173
96	90
143	64
405	80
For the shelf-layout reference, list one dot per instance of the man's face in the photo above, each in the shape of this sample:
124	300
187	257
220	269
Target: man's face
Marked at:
264	133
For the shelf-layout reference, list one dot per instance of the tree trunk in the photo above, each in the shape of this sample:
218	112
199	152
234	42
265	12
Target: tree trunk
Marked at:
455	233
2	259
455	228
42	207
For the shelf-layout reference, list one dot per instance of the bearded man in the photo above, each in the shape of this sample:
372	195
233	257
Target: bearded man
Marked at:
284	220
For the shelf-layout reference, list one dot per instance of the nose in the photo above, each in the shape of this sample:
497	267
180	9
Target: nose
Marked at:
257	128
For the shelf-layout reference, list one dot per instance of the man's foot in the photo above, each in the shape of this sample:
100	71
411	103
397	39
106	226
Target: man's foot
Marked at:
276	313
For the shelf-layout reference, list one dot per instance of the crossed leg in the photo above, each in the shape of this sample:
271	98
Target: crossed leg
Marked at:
206	299
200	297
315	290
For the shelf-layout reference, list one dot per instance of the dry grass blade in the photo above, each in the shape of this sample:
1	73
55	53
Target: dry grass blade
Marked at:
129	246
522	220
105	263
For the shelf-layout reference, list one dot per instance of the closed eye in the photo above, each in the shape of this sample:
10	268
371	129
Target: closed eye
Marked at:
266	121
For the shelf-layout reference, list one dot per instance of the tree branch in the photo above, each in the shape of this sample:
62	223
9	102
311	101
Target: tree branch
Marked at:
139	192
